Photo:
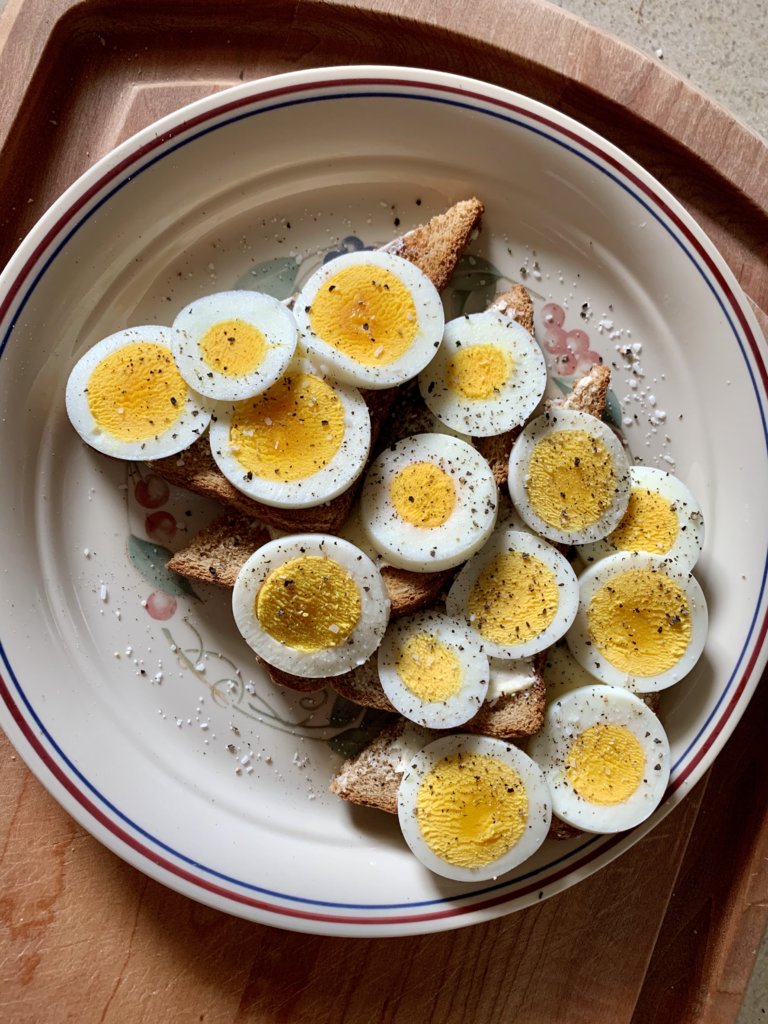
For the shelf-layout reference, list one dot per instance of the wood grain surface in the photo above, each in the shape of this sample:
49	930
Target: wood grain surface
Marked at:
83	936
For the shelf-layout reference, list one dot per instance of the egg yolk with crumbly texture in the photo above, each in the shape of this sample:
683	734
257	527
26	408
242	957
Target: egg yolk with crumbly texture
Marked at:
367	313
479	371
649	524
514	598
233	347
429	668
571	479
423	494
136	392
640	622
605	764
309	603
472	809
289	432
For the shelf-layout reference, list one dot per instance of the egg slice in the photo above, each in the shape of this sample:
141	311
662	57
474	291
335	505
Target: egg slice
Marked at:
662	517
299	444
433	670
641	623
428	502
371	318
519	594
605	757
569	476
234	345
126	398
487	377
472	808
311	604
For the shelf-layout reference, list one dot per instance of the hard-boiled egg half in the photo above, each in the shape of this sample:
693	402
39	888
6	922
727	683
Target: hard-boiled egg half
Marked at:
433	670
372	318
662	517
569	476
311	604
234	345
428	502
488	376
472	807
605	757
298	444
518	593
126	398
641	622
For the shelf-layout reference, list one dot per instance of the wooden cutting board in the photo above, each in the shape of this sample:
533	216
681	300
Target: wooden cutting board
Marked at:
83	936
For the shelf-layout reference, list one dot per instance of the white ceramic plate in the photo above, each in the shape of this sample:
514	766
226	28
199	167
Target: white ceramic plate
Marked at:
159	734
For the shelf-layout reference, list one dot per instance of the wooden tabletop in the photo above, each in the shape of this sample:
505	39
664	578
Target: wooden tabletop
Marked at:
85	937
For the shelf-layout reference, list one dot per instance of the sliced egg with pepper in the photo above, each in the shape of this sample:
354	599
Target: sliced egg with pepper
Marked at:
569	476
298	444
641	623
433	670
371	318
428	502
234	345
662	517
487	377
126	398
472	807
518	593
311	604
605	756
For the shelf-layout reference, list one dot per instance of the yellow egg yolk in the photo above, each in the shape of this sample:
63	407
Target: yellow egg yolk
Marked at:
640	622
367	313
649	524
571	481
429	668
423	494
605	764
291	431
136	392
472	809
514	598
233	347
309	603
479	371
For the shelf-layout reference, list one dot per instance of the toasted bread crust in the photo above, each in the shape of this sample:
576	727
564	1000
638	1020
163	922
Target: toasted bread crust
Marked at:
362	686
216	554
514	716
589	393
435	247
516	302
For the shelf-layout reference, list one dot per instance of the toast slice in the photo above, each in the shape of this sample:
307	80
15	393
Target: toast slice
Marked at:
217	553
435	247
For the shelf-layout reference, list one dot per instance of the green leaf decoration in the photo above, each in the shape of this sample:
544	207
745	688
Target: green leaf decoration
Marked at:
149	559
473	285
343	712
352	742
276	277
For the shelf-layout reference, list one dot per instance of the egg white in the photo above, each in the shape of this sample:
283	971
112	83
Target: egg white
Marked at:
554	420
506	541
581	642
573	713
430	321
689	542
275	321
539	804
429	549
331	661
467	649
512	403
326	483
189	426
